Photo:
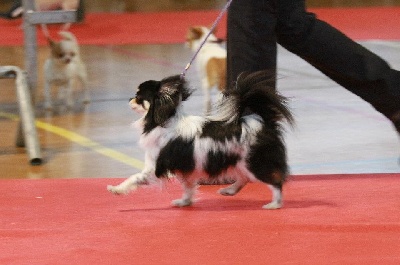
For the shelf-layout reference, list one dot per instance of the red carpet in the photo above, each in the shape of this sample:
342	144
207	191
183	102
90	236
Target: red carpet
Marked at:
328	219
170	27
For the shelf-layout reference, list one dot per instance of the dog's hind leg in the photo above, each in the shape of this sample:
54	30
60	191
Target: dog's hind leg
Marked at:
189	188
234	188
277	201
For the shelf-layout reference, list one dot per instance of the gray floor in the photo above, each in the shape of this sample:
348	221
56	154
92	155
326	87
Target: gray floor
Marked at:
336	132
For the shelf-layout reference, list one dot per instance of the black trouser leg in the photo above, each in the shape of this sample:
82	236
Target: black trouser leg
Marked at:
340	58
251	38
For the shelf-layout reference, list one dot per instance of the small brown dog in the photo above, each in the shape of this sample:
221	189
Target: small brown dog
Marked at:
211	61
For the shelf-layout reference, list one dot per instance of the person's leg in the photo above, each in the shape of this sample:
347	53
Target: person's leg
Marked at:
251	43
251	40
340	58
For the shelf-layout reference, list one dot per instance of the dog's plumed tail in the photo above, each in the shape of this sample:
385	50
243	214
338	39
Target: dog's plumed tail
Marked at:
252	93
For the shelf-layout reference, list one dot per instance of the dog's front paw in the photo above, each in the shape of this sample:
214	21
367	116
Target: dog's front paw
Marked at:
118	190
182	202
273	205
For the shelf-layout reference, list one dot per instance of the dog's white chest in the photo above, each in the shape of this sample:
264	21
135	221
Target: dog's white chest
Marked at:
60	74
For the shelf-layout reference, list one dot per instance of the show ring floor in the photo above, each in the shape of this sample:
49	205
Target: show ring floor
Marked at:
326	219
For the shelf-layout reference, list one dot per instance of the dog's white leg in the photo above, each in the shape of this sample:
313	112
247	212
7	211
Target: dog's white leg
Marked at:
234	188
187	197
276	202
129	184
61	94
69	94
135	180
86	96
83	80
48	105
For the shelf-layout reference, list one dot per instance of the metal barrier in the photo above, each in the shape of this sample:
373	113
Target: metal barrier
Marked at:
26	81
27	123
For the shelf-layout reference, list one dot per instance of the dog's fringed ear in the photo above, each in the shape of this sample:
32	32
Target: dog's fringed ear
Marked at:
169	89
177	84
171	93
195	32
51	42
166	102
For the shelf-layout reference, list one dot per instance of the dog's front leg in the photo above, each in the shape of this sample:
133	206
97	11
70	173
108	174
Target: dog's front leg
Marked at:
86	96
69	93
131	183
48	104
83	80
135	180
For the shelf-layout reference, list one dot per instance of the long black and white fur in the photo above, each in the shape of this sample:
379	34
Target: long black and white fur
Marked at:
242	140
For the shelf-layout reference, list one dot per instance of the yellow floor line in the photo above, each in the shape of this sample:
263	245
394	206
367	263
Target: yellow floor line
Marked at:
83	141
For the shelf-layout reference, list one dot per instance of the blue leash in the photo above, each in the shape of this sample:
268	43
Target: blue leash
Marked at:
205	39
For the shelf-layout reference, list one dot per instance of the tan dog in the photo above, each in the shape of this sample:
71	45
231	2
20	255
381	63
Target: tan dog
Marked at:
63	69
210	61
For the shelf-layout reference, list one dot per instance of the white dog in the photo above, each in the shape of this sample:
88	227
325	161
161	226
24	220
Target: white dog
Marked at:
211	61
63	69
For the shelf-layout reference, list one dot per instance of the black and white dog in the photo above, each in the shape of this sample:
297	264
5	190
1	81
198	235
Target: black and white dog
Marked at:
246	147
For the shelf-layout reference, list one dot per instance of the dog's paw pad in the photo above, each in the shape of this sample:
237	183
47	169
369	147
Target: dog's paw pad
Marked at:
181	203
273	206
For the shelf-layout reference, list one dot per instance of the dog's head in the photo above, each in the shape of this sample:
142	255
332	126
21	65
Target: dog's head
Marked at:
66	50
195	35
159	100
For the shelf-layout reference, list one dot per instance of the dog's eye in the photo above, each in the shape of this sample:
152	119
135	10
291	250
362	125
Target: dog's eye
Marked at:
60	55
72	54
139	99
